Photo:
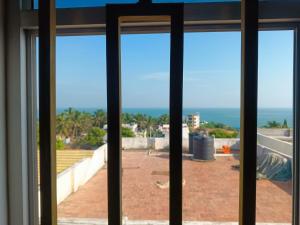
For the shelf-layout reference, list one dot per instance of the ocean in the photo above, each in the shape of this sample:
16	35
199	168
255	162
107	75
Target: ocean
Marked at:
228	116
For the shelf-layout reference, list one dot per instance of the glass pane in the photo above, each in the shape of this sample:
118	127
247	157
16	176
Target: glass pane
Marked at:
80	129
145	139
275	127
212	117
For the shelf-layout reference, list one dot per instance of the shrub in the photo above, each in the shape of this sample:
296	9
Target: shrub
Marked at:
94	138
60	144
127	132
221	133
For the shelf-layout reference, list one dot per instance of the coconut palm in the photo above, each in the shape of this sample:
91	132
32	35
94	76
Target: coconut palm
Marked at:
99	118
127	118
272	124
150	122
61	125
164	119
73	122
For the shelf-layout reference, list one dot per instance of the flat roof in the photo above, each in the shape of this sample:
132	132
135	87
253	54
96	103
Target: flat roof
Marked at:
210	192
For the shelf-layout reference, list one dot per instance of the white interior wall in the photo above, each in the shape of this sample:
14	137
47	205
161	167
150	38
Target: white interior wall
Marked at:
3	171
16	116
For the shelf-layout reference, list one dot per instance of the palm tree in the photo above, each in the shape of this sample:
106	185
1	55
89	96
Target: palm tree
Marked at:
73	122
61	125
164	119
127	118
285	124
141	121
99	118
272	124
150	122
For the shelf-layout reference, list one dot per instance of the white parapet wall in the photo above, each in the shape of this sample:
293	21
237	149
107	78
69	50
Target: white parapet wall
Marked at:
138	143
233	143
276	132
163	143
282	147
77	175
72	178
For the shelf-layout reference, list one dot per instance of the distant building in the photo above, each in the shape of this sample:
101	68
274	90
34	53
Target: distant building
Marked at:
165	129
193	120
133	127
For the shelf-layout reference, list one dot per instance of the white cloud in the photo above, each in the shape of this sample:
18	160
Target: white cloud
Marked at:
189	76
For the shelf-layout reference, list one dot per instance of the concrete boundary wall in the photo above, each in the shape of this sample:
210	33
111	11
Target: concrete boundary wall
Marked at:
163	143
71	179
279	146
286	132
234	143
77	175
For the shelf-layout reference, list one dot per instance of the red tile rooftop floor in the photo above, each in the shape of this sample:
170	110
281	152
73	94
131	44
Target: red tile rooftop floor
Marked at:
210	192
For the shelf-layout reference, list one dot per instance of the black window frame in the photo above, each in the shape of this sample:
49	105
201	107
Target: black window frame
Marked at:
250	26
114	15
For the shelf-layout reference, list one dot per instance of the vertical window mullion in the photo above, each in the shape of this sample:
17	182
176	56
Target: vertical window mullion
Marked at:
47	111
176	92
296	127
113	119
248	132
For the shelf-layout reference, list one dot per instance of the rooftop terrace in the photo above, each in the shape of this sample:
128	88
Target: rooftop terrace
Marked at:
210	193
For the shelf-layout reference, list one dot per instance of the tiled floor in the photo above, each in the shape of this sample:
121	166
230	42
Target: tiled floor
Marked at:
211	192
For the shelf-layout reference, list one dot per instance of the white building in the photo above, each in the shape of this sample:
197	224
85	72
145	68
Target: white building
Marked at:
193	120
165	129
133	127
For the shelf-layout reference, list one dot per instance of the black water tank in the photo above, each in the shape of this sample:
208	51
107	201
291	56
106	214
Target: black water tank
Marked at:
191	137
203	147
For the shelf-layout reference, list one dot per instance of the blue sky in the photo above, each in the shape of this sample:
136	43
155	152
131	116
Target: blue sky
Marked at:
211	70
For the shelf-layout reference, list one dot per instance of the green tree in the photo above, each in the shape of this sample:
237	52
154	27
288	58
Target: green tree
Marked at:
60	144
150	122
285	124
61	125
221	133
74	123
127	118
272	124
164	119
127	132
141	121
94	137
99	119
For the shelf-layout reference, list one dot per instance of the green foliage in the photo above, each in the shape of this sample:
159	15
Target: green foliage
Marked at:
213	125
221	133
285	125
275	124
60	144
163	119
99	118
127	132
94	138
128	118
157	133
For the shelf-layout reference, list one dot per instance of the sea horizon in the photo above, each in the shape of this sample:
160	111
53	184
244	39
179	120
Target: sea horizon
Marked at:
228	116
